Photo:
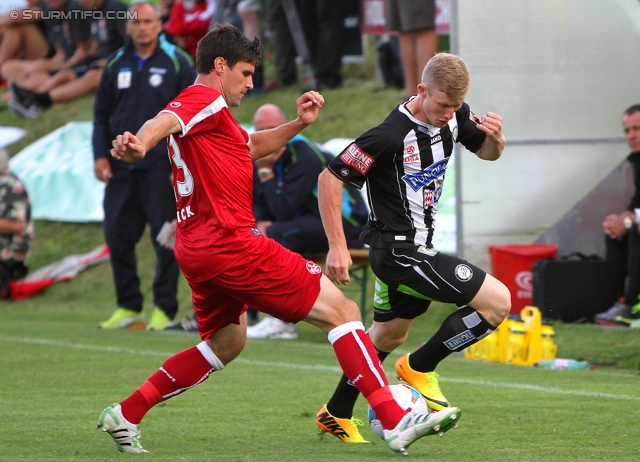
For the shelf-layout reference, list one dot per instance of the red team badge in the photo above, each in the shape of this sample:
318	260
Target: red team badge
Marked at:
313	268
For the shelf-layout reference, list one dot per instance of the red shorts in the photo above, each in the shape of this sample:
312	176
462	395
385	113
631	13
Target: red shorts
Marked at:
265	276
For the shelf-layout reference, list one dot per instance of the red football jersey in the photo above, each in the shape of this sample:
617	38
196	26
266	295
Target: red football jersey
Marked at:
212	179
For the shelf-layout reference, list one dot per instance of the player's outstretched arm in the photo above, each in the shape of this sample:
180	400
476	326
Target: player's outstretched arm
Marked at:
494	144
132	148
330	203
264	142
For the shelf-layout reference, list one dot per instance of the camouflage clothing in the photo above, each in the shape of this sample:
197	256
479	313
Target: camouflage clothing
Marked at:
16	206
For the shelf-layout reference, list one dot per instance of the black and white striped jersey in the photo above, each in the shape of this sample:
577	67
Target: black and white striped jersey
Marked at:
403	162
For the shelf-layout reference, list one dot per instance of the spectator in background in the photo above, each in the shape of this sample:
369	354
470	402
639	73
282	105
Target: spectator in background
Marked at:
323	24
416	25
164	9
286	205
68	33
249	13
24	37
108	31
284	48
16	227
189	21
140	80
622	238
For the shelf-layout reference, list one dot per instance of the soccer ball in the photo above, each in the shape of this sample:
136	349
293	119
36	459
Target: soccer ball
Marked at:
408	398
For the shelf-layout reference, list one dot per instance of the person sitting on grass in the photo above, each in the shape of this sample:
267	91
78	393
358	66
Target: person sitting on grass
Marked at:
72	83
69	35
23	36
16	226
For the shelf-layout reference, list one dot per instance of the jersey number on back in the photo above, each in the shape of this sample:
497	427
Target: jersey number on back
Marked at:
185	187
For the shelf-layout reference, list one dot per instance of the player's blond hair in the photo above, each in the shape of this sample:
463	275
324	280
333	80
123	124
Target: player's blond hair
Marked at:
449	74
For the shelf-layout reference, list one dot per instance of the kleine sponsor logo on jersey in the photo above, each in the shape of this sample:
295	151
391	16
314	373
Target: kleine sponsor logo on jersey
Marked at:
356	158
413	158
426	176
435	139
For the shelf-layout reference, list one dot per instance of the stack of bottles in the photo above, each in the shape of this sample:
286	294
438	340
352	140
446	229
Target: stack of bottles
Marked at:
522	340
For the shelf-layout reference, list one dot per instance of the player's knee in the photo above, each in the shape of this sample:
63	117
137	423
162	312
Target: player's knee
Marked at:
389	341
493	301
228	350
501	304
347	311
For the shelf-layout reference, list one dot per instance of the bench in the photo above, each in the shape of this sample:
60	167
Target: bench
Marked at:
359	271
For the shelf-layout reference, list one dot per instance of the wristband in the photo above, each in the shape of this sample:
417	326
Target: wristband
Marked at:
264	173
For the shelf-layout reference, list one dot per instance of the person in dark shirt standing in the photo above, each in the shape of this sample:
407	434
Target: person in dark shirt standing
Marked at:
139	81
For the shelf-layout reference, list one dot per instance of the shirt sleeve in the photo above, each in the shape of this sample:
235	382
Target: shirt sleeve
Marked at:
469	135
193	105
102	109
354	163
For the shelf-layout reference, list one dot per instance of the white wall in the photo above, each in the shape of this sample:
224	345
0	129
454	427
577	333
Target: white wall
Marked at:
560	73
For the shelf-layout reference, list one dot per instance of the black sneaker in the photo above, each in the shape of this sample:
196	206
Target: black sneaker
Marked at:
189	324
21	94
630	318
610	317
28	110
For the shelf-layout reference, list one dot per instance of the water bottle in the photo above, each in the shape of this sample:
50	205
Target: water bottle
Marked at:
563	363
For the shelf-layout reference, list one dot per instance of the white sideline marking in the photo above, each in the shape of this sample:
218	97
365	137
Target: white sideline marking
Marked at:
520	386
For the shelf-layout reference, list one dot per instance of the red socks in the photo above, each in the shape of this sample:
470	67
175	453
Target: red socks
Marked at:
178	373
359	361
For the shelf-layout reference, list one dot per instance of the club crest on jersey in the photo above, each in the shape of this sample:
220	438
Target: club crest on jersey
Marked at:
155	80
357	158
463	272
426	176
438	191
313	268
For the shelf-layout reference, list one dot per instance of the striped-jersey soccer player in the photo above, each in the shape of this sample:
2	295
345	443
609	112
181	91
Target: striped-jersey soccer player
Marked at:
403	162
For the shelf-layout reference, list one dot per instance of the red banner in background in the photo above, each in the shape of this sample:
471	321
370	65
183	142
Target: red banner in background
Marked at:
373	16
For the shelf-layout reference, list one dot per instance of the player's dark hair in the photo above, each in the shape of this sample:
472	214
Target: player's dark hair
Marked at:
228	42
632	110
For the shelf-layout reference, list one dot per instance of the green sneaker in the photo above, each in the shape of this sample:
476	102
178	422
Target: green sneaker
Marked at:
121	319
159	320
